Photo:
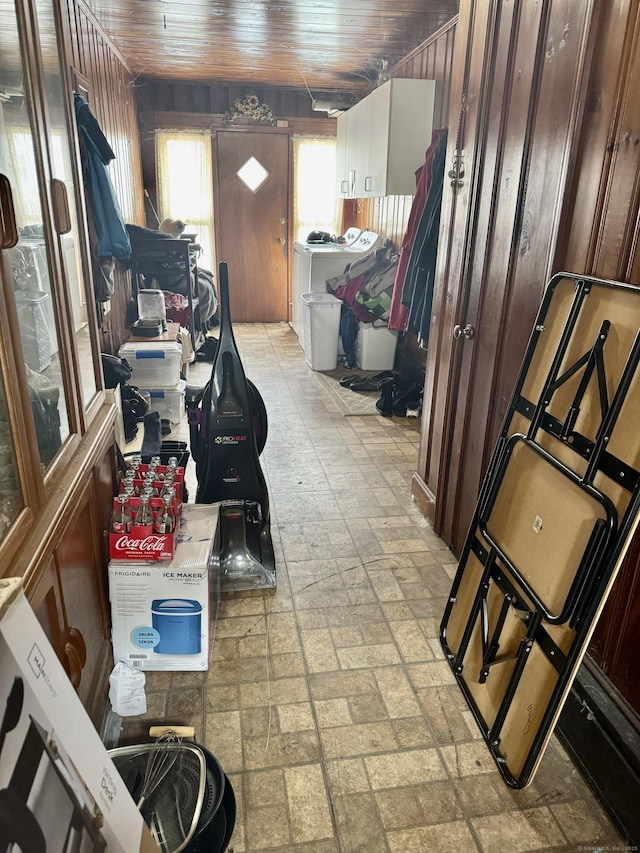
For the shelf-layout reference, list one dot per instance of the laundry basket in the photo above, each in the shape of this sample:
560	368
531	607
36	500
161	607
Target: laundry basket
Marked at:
321	316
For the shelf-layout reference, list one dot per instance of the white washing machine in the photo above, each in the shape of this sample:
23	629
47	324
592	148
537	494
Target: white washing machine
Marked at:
314	263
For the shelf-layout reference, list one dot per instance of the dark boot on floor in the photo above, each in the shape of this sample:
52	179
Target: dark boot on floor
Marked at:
208	350
385	404
403	397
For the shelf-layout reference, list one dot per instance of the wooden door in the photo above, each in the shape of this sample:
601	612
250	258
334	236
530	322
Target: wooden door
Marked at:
252	195
455	296
516	144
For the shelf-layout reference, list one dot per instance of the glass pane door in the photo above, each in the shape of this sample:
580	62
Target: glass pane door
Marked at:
28	263
60	148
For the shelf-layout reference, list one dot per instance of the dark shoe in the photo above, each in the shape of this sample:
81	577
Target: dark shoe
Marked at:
384	374
364	383
402	398
346	381
208	350
385	404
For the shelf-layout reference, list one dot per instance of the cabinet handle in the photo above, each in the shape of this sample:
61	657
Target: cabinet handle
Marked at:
75	651
8	227
368	182
61	215
344	187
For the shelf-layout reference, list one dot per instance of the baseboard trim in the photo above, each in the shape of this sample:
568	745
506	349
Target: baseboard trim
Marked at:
423	497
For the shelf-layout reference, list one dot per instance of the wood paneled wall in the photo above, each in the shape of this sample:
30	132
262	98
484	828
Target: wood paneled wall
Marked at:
550	145
599	235
110	85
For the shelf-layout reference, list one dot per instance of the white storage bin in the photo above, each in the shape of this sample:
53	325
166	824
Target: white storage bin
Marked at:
321	329
168	402
155	365
376	347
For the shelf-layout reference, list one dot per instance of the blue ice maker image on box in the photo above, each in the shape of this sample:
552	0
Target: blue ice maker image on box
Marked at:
177	621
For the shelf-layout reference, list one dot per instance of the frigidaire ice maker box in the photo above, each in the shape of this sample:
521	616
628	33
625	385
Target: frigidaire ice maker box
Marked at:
162	613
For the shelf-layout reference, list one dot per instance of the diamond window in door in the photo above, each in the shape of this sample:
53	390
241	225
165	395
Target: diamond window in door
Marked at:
253	174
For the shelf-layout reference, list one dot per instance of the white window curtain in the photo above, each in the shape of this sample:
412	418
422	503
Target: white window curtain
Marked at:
185	185
316	206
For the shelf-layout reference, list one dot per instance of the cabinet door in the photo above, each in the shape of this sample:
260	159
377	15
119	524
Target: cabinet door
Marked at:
342	142
400	127
374	180
28	325
359	142
70	236
85	646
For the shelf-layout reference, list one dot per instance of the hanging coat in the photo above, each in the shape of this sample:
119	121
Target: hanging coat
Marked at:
399	312
113	239
417	293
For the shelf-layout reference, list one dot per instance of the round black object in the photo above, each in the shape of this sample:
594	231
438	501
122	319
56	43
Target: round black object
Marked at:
217	835
218	815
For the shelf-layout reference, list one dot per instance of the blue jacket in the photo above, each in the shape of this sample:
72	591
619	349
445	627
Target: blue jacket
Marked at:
113	239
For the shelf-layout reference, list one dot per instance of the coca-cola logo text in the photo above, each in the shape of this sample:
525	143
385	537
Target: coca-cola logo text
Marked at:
147	543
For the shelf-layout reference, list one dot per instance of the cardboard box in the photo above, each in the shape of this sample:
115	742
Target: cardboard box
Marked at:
161	612
56	777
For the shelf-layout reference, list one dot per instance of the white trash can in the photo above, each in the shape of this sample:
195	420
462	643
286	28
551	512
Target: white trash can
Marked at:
321	316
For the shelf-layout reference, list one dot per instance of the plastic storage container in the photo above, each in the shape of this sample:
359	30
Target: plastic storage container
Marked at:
34	329
151	305
321	316
376	347
168	402
154	365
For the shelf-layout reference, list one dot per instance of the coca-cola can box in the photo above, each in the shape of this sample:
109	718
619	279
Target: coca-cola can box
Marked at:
143	541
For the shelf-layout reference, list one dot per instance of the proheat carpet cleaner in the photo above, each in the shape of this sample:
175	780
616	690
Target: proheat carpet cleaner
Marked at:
228	426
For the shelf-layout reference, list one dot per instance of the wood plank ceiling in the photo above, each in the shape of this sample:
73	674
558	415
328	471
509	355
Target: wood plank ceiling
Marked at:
330	46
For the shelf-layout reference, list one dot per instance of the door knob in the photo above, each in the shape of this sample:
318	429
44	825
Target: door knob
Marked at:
282	220
466	332
281	240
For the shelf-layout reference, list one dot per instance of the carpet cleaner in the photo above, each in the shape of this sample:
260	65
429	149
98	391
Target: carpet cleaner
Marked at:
228	430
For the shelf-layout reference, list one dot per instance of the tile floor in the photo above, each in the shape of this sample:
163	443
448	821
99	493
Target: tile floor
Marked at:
327	701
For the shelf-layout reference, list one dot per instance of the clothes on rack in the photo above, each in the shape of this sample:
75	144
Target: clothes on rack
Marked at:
399	315
417	291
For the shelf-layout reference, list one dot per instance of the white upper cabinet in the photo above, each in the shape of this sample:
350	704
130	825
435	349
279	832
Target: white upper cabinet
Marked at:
383	139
